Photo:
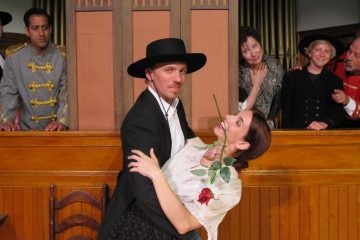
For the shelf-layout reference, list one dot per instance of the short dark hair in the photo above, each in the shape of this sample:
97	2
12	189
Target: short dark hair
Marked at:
246	32
36	11
259	138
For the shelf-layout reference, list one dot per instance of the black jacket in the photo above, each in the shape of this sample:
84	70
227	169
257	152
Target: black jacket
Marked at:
305	100
144	127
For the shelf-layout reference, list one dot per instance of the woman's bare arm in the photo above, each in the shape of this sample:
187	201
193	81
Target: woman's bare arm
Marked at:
173	208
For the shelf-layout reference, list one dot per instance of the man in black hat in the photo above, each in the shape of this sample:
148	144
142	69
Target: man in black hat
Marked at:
5	18
306	93
157	120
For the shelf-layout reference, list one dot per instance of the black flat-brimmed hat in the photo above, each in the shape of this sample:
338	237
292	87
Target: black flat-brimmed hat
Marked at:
166	50
305	42
5	17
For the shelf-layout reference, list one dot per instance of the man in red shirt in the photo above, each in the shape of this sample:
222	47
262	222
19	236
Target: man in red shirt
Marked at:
349	71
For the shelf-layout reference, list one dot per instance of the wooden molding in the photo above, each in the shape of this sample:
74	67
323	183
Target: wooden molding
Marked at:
93	6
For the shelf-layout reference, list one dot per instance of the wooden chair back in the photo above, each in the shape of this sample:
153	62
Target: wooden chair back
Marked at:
76	219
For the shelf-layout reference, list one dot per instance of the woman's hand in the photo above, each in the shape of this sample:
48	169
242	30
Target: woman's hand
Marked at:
147	166
257	78
258	75
173	208
315	125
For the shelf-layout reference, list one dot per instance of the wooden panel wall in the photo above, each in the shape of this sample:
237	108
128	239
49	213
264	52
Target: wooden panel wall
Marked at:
119	31
95	81
31	161
307	186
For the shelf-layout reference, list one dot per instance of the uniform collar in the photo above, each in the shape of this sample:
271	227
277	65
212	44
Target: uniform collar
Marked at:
50	47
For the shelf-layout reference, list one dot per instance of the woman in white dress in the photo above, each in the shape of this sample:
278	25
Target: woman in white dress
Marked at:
190	189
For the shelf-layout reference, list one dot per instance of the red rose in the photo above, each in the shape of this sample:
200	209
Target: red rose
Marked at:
205	196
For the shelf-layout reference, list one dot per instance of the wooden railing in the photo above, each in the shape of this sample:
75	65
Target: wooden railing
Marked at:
307	186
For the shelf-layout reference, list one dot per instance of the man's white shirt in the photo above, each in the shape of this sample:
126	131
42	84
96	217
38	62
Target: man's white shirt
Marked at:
177	135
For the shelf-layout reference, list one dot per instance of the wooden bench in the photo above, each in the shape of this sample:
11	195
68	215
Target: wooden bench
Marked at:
304	187
31	161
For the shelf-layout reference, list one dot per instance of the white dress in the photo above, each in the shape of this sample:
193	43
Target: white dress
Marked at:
188	186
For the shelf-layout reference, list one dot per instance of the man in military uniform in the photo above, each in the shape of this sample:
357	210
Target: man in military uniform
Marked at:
5	18
349	72
34	80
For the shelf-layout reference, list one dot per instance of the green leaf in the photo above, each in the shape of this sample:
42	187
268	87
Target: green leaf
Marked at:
212	175
229	161
215	166
225	174
198	172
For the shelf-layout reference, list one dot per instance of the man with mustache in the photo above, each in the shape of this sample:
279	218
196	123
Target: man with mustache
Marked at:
350	74
34	80
157	120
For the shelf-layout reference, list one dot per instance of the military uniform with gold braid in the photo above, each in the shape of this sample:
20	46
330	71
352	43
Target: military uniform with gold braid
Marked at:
36	84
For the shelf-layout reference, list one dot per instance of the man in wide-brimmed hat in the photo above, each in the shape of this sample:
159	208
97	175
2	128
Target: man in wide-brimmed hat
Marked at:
157	120
5	18
306	42
306	93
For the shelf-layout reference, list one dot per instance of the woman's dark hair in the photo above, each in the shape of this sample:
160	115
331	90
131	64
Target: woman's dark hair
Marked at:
36	11
259	138
246	32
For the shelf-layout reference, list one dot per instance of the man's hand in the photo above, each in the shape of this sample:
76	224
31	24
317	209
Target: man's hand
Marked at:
339	96
55	126
315	125
9	126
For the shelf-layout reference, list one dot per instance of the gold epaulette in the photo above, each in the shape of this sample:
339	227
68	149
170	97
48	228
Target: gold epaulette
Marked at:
62	49
14	48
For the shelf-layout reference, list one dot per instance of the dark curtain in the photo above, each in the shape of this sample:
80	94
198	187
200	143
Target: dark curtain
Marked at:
276	21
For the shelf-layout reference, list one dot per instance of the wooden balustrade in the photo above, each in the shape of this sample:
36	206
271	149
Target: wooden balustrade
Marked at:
307	186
